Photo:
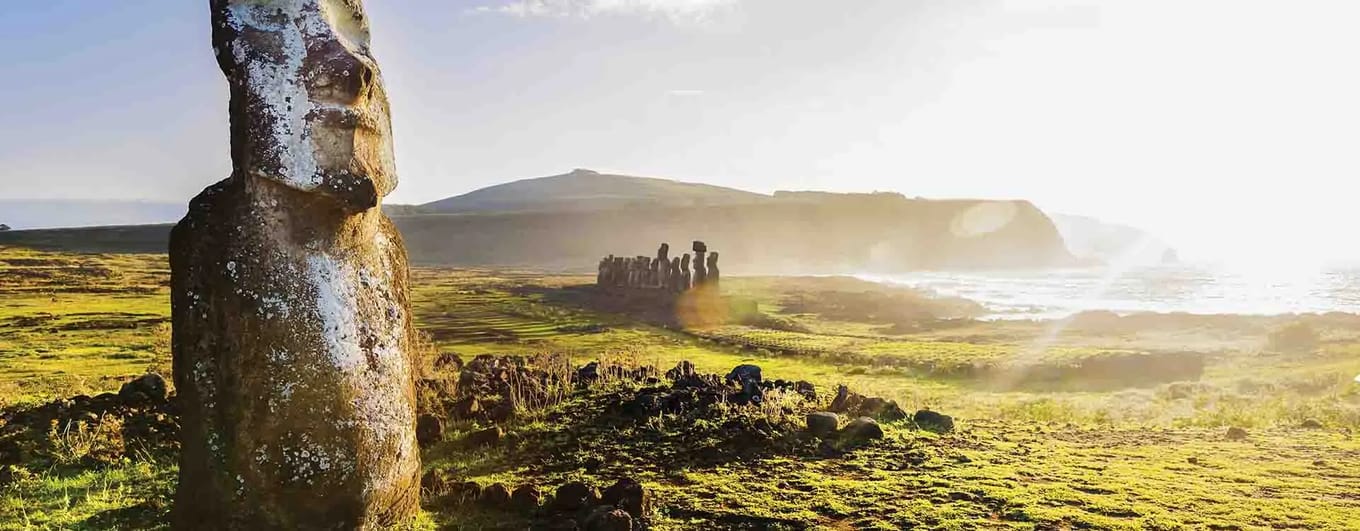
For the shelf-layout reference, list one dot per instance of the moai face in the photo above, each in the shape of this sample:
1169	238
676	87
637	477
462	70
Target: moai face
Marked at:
309	108
713	261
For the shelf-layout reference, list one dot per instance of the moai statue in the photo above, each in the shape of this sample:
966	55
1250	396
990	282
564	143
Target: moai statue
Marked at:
602	276
664	266
700	269
653	272
674	285
714	276
684	273
292	343
620	277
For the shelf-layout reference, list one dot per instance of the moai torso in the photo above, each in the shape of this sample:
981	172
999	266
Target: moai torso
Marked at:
700	268
292	330
714	276
684	273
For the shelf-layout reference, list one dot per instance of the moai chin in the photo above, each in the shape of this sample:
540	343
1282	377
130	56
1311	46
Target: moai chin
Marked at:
292	342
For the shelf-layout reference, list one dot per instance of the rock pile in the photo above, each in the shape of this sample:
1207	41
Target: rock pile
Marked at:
142	412
624	505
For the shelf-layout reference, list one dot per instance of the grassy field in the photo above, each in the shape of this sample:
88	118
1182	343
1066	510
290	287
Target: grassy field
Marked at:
1147	453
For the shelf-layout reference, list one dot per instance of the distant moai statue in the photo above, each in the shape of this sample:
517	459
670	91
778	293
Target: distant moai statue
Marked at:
684	273
619	273
713	274
602	276
700	269
663	266
673	283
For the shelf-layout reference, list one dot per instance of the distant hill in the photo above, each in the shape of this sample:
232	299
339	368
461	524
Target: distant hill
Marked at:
1091	239
589	190
568	222
52	213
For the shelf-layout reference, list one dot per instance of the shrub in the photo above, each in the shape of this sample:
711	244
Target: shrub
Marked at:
1296	337
78	441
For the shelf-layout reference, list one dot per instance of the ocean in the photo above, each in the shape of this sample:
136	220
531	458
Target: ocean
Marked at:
1195	289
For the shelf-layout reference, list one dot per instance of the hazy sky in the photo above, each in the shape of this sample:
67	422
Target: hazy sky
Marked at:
1229	127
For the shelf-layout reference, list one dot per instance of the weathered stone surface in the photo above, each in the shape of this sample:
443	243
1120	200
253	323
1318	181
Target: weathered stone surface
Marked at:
487	437
700	264
628	495
932	421
685	278
744	373
292	333
714	276
150	385
823	423
429	430
526	497
605	518
861	430
573	496
496	495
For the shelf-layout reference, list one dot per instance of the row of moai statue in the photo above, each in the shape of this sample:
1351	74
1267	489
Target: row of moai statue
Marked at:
661	272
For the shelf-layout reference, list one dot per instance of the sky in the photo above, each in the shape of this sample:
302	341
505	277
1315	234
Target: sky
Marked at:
1227	127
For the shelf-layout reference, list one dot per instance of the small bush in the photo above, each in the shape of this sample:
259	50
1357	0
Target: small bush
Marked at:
1297	337
78	441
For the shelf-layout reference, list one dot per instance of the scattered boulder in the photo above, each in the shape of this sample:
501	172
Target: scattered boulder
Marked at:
843	401
823	423
684	369
448	361
931	421
628	495
147	387
588	373
742	374
861	430
1236	434
466	408
467	491
526	497
487	437
605	518
429	430
435	484
574	496
496	495
1311	424
882	409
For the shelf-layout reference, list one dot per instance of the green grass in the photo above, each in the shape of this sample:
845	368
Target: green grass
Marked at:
1147	457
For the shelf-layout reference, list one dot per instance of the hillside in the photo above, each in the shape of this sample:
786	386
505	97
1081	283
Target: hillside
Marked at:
568	222
589	190
1092	239
50	213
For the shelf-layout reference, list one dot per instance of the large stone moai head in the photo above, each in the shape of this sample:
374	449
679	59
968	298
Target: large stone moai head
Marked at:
293	356
308	108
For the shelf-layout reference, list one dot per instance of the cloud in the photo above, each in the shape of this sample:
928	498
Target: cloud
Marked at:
674	10
684	93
